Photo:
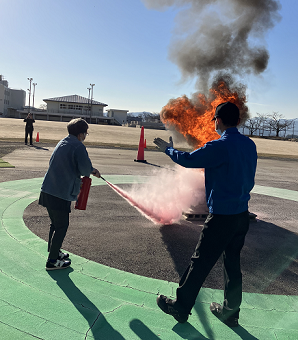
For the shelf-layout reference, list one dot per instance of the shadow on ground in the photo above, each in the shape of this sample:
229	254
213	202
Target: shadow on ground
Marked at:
269	257
98	325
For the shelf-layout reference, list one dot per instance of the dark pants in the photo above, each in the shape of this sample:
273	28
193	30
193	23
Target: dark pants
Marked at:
222	235
30	132
58	229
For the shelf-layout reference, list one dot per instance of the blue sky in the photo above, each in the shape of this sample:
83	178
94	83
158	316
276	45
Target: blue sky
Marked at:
122	47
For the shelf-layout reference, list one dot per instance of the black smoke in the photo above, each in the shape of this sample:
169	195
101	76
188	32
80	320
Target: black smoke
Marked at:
213	36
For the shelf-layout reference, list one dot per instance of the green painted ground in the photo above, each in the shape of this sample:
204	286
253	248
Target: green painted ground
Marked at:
4	164
92	301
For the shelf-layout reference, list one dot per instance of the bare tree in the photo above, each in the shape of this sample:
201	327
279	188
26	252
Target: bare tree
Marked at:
277	123
43	106
253	124
156	116
293	129
262	119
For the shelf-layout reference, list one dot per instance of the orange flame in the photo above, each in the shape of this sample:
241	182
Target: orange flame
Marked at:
193	118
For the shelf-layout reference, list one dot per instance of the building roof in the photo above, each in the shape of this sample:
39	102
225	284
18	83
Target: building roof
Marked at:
117	110
74	99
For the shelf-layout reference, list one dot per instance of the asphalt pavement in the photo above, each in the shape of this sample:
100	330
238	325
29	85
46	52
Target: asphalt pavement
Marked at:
121	260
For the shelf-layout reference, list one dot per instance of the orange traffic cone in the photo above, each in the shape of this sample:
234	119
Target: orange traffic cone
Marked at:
37	137
140	157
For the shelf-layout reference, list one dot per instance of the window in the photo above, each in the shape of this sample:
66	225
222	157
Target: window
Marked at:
62	106
71	107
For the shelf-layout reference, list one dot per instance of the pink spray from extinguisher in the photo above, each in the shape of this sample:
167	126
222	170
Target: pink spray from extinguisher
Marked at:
149	214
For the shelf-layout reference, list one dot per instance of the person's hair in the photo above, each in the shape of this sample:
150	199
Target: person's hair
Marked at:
229	113
77	126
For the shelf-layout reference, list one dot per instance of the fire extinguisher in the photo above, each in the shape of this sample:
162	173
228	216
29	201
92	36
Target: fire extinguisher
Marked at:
81	202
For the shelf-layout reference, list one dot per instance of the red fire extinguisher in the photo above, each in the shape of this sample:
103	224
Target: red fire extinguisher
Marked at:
81	202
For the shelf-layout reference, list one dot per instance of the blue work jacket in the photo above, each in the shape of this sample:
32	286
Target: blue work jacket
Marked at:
230	165
69	161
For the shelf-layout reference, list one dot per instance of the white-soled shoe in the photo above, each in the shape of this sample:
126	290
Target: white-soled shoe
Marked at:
59	264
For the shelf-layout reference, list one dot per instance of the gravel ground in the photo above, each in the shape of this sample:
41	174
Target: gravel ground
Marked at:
115	234
8	147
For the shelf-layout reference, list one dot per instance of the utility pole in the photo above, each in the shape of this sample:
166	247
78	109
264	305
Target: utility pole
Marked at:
91	100
34	84
89	89
30	80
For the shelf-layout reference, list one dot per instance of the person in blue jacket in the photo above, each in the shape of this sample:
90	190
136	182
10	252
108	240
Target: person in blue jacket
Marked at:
61	185
230	165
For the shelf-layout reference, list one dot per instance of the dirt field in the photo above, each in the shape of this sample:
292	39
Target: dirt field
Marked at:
105	135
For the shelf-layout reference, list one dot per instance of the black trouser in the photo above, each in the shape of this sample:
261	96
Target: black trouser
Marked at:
222	235
30	132
58	229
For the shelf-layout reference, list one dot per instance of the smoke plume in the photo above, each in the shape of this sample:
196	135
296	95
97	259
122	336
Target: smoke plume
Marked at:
215	41
220	35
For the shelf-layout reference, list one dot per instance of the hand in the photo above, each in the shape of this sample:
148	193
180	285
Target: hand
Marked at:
162	144
95	173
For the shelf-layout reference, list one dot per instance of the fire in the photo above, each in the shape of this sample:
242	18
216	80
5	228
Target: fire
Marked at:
193	118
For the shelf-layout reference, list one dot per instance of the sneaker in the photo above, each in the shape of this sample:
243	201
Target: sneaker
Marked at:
59	264
62	256
217	310
168	306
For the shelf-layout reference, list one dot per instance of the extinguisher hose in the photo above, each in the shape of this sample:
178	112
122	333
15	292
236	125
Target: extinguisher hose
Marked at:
103	178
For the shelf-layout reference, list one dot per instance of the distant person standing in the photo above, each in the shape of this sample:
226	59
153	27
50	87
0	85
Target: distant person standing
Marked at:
29	128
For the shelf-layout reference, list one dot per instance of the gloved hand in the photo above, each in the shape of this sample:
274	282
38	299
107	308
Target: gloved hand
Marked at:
162	144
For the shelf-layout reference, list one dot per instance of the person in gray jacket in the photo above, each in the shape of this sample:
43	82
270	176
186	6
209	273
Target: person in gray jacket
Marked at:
61	185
